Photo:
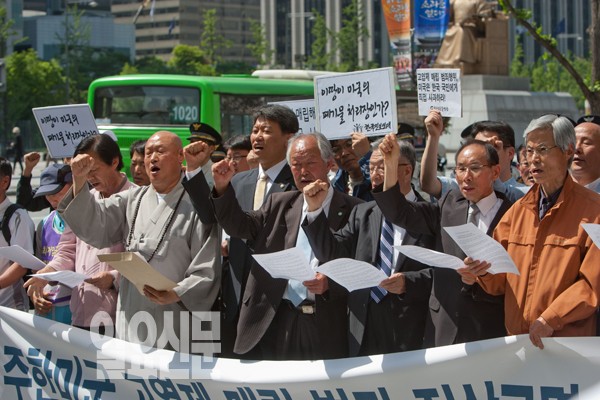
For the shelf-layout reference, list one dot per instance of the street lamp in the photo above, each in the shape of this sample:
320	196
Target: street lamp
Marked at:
90	3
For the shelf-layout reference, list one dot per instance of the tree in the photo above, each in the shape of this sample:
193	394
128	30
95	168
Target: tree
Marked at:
190	60
211	42
74	38
146	65
319	59
259	47
353	31
33	83
590	88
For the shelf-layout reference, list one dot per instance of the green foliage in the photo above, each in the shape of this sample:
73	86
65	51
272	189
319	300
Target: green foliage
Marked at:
234	67
32	83
211	42
259	47
352	32
94	63
151	65
6	30
548	75
517	68
319	59
189	60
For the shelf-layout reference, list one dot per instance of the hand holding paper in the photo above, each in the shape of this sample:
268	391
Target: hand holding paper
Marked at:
474	243
480	246
292	264
67	278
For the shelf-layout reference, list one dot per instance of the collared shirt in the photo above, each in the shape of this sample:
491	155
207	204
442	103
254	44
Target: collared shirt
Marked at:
488	207
310	216
547	202
399	232
272	173
512	189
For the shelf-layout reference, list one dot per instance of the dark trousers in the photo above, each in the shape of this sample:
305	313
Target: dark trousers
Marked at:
385	332
291	336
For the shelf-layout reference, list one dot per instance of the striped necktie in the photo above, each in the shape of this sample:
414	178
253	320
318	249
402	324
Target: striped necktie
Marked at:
386	252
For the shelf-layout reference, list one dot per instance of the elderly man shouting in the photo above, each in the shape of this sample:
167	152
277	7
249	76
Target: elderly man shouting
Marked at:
160	223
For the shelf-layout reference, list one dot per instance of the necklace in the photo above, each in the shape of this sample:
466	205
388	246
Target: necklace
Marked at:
166	228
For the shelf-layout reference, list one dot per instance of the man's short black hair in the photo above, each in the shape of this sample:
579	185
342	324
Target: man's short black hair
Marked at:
284	116
238	142
138	147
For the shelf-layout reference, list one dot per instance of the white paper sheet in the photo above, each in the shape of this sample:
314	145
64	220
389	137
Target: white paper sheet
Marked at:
286	264
352	274
16	253
67	278
593	231
431	257
479	246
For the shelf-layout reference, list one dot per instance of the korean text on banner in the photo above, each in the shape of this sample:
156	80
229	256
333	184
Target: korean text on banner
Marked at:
305	111
63	127
398	21
363	101
439	89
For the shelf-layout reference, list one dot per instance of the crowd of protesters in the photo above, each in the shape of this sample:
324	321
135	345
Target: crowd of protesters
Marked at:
197	213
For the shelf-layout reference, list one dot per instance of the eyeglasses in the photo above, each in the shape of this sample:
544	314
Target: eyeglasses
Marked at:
346	145
374	169
475	169
540	150
235	158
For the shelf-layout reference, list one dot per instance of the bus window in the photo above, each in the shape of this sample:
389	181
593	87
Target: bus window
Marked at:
237	110
147	105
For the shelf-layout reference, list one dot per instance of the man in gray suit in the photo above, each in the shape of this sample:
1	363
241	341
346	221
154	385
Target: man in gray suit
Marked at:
275	321
381	322
458	312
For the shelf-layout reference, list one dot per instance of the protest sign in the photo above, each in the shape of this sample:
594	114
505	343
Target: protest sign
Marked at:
305	111
439	89
63	127
363	101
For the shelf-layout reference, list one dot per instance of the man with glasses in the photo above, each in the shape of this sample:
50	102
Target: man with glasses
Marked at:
498	134
458	312
557	291
352	158
389	318
237	148
585	168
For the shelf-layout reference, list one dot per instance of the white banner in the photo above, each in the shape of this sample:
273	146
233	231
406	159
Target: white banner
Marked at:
42	359
362	101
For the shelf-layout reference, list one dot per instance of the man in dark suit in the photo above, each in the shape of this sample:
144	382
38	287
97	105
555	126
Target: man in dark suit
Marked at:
272	324
458	312
273	126
395	322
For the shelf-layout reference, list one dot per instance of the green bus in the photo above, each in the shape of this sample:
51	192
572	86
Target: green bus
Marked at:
136	106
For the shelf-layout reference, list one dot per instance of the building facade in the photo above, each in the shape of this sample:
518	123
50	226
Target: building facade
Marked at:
288	25
162	25
567	20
